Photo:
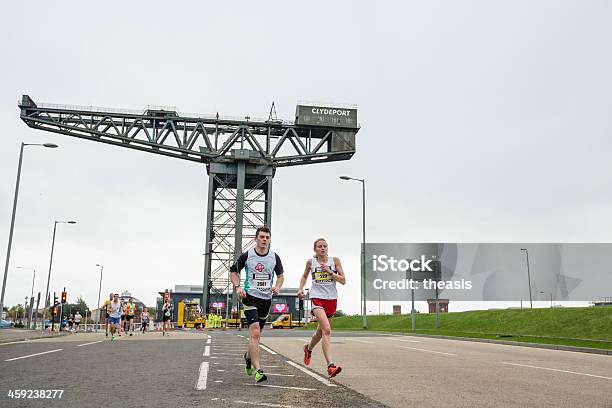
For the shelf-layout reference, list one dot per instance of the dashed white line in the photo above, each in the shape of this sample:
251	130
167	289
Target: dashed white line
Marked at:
267	349
208	341
555	369
32	355
429	351
310	373
281	386
281	375
14	342
206	351
228	354
87	344
202	376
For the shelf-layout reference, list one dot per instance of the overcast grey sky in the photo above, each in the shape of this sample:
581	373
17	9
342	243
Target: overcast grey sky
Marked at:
482	121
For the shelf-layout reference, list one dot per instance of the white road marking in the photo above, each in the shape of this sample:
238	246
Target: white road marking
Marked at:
281	386
208	341
263	404
359	341
429	351
281	375
221	371
240	335
310	373
229	354
87	344
206	351
218	381
202	376
561	371
14	342
267	349
32	355
406	340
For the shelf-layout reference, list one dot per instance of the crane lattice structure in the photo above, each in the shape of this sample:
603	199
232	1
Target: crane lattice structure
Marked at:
241	157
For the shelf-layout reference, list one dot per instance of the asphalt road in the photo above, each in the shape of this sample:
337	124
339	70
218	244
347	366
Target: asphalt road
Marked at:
182	370
206	369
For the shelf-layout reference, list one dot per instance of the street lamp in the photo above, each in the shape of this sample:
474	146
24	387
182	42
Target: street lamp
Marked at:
528	277
99	291
32	295
10	240
51	259
363	285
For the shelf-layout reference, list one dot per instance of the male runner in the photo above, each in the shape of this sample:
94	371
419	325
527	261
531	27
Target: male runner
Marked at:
144	318
130	309
260	264
77	321
115	315
167	310
106	308
325	271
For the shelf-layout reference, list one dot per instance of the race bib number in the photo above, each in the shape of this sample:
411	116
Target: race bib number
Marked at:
263	281
322	276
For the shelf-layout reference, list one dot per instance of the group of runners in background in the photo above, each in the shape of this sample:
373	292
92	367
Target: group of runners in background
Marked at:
120	316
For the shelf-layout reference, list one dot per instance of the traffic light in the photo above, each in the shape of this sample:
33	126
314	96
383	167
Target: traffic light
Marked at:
55	310
64	296
55	300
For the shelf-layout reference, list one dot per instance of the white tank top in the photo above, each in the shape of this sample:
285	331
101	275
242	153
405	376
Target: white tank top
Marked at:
323	285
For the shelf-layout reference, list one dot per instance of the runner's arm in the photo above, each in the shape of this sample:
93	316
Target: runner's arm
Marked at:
304	278
339	275
278	269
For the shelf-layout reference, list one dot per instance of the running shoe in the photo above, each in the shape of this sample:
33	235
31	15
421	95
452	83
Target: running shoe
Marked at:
249	368
112	337
307	354
333	370
260	376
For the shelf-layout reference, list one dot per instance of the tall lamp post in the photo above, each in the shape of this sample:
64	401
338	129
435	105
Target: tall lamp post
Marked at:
99	292
528	277
363	284
51	258
10	240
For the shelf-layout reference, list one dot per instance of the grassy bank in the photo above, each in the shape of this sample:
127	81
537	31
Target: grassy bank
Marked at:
582	327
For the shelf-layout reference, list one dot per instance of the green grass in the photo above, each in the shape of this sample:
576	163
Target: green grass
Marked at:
582	327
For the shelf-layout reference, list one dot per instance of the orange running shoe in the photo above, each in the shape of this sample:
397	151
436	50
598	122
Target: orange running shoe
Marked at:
333	370
307	354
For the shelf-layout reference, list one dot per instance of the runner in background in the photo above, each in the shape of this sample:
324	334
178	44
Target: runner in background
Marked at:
106	308
167	311
115	316
144	318
130	309
77	321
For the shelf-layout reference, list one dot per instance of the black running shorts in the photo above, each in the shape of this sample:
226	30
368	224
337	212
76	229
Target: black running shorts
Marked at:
256	310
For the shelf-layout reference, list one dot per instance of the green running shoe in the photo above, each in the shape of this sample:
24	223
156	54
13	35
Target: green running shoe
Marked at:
260	376
249	368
